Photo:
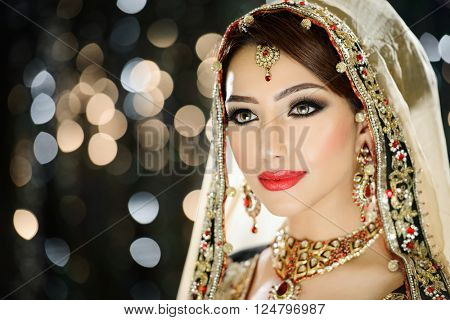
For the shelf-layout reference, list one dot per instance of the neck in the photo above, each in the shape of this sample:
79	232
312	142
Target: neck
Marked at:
333	216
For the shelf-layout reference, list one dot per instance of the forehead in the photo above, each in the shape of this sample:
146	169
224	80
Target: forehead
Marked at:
245	77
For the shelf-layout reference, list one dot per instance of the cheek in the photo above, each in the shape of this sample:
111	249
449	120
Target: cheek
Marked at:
244	147
330	145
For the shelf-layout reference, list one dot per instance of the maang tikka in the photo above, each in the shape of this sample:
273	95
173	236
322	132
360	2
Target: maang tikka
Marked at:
266	56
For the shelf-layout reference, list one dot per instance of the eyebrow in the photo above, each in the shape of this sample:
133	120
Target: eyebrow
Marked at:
284	93
296	88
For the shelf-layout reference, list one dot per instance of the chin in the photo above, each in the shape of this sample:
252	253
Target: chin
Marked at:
285	208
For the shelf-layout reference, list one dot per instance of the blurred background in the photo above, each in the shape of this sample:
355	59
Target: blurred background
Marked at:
104	138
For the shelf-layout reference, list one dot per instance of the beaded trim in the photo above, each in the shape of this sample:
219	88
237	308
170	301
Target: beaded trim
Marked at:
395	174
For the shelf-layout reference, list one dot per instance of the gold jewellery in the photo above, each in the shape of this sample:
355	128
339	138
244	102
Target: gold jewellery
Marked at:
295	260
252	205
266	56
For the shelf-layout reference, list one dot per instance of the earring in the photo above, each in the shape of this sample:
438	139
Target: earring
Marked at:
364	186
252	205
359	117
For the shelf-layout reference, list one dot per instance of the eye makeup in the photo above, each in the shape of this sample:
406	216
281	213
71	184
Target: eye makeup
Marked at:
301	107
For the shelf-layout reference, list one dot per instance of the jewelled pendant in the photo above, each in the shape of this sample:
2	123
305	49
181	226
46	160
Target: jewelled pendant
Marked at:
286	290
266	56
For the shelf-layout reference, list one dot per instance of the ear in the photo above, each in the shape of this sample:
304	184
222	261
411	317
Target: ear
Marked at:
364	137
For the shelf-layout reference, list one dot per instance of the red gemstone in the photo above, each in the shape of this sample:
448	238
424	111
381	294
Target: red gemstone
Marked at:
302	3
367	191
410	245
430	289
410	230
268	77
359	57
247	202
395	143
400	156
206	232
363	218
203	289
333	27
254	229
282	288
265	52
389	193
386	101
364	72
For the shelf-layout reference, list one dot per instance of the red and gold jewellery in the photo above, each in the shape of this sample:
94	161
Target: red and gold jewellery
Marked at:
295	260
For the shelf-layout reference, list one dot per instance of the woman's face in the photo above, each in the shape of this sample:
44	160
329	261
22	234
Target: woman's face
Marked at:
293	123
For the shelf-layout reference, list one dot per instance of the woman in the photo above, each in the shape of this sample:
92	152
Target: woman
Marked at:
326	122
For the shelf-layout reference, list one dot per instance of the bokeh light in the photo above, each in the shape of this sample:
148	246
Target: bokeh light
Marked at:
70	136
43	83
116	127
166	84
125	33
148	104
68	9
100	109
207	45
42	109
89	54
65	47
131	6
145	252
431	46
57	251
444	48
190	204
143	207
153	134
45	148
102	149
20	170
25	223
162	33
189	121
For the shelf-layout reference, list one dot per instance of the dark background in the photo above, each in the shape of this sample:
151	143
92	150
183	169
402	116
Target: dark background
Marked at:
100	264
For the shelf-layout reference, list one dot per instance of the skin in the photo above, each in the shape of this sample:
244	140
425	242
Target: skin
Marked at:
325	145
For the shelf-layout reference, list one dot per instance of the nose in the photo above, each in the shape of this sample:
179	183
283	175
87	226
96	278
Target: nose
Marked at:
274	146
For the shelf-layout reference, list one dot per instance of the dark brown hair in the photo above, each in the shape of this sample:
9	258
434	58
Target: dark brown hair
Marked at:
312	48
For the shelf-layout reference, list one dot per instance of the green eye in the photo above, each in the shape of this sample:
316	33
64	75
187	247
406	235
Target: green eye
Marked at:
305	108
302	109
243	116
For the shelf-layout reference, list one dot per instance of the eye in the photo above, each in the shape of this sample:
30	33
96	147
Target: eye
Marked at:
241	116
304	108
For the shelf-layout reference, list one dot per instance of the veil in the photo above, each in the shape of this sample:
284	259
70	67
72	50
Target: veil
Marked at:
390	73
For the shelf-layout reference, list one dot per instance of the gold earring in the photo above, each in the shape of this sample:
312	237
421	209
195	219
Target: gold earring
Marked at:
364	185
252	205
266	56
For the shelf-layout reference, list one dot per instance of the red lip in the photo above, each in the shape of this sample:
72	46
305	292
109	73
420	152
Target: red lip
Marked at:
281	179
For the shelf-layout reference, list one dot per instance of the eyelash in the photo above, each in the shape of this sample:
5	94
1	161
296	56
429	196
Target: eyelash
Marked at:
308	101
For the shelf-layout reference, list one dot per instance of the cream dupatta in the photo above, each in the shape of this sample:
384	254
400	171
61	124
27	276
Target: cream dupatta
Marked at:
390	73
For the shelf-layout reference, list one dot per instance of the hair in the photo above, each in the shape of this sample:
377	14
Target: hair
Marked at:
312	48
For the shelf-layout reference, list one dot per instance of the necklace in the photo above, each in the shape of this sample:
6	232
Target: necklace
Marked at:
295	260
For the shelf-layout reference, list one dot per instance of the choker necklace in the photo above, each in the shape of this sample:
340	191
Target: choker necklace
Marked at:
295	260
